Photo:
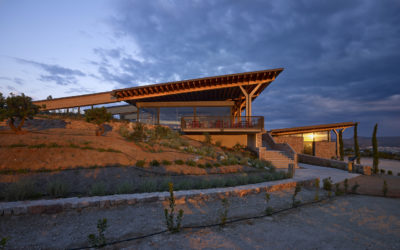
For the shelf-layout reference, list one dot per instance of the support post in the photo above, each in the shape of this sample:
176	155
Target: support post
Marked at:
337	143
249	98
158	116
137	114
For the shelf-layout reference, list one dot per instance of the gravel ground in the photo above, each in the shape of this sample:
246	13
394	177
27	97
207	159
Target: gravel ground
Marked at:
70	229
346	222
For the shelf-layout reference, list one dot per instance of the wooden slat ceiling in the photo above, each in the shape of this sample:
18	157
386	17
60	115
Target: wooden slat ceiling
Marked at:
217	88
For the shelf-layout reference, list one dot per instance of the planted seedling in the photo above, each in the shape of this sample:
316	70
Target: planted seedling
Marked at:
268	209
224	212
297	190
99	240
173	225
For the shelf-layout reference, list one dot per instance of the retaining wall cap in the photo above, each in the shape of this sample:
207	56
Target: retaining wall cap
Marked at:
63	204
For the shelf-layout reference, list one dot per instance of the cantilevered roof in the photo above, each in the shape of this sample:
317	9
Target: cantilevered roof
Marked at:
309	129
215	88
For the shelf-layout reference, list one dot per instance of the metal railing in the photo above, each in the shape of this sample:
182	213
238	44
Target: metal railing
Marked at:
222	122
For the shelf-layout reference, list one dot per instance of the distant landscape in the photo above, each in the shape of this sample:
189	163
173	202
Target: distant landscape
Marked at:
365	142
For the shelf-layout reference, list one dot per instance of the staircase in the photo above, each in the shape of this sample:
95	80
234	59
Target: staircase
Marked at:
279	154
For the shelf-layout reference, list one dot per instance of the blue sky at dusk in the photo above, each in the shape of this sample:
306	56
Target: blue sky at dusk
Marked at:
341	58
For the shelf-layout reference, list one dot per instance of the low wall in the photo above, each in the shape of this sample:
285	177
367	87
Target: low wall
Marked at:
227	140
313	160
295	142
325	149
78	204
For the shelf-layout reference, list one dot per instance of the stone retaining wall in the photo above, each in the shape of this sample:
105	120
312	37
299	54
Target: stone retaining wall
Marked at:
79	204
313	160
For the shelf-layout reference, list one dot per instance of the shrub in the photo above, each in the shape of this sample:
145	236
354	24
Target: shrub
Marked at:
208	165
238	147
140	163
385	188
191	163
21	190
398	174
123	131
53	145
98	116
346	185
3	241
390	172
207	138
125	188
42	145
199	165
382	171
148	186
316	197
17	107
99	240
268	209
57	189
354	188
172	224
218	143
154	163
337	189
327	185
217	165
297	190
179	162
98	189
166	163
138	133
162	132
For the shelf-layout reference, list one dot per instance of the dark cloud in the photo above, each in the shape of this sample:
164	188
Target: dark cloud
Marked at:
340	57
55	73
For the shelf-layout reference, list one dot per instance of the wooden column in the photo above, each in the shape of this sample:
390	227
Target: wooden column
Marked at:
79	110
137	114
249	97
158	116
337	142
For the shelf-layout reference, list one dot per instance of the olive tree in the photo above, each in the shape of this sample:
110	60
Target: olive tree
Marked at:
98	116
17	108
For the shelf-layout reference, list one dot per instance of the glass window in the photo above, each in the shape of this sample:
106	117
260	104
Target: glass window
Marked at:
213	111
308	136
321	136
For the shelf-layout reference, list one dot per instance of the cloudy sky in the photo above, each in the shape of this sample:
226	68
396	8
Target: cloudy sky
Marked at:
341	58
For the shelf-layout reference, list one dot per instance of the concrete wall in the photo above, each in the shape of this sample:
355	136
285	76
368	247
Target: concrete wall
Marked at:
325	149
227	140
295	142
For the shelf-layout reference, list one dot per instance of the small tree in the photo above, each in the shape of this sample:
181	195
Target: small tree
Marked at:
356	146
17	107
375	150
98	116
341	149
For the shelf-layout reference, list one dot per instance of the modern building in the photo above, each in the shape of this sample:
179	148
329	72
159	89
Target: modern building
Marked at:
218	105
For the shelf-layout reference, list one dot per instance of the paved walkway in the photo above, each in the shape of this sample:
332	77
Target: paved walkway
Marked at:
313	171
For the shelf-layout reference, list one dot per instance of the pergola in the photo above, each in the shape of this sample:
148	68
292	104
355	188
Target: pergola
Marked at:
335	127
